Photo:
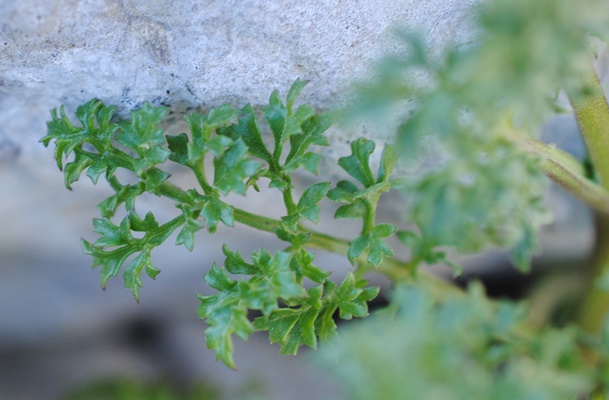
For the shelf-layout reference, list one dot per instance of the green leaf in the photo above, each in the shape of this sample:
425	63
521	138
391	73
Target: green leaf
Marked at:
247	130
307	207
350	297
186	236
425	251
357	209
97	132
218	145
224	315
285	123
153	178
235	264
373	243
345	191
131	276
275	279
87	112
357	164
302	264
312	134
291	234
98	167
294	93
203	126
141	133
221	117
215	211
112	235
293	327
147	224
389	160
125	194
295	121
110	261
233	167
178	145
276	115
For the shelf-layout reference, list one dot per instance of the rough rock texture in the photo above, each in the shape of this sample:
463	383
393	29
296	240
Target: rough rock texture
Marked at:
198	53
184	54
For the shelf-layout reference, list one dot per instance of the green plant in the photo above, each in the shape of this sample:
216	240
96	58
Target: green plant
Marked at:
474	177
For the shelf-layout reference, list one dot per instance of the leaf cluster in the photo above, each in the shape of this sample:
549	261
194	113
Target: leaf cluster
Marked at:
361	196
231	140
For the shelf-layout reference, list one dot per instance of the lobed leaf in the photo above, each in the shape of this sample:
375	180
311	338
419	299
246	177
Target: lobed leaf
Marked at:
215	211
307	207
224	315
372	243
142	132
247	130
358	163
233	167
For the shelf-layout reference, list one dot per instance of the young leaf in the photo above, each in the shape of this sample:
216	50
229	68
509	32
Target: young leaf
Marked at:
274	279
142	133
186	236
307	207
132	278
294	93
110	261
373	243
235	264
291	328
111	234
357	164
276	115
233	167
312	134
247	130
224	314
215	211
125	194
302	265
350	298
178	145
389	160
70	139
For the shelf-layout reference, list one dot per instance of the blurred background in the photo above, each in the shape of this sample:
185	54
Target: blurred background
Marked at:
61	335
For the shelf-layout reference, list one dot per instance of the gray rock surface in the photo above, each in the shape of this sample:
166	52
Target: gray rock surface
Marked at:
183	54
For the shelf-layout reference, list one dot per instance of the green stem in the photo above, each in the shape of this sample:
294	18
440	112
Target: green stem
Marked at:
287	197
174	193
396	270
369	218
199	171
567	172
595	305
592	113
256	221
